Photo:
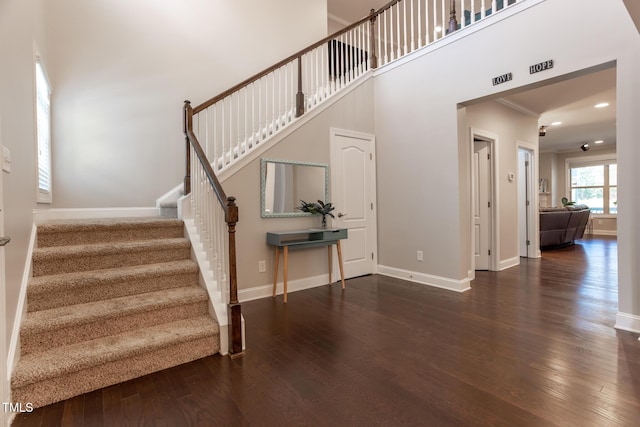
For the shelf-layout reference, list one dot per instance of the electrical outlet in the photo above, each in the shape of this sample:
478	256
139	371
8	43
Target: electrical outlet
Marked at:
262	267
419	256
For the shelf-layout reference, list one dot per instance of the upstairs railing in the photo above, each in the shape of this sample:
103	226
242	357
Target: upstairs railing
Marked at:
230	125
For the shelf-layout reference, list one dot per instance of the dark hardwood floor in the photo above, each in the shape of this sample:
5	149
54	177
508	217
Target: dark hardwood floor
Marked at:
530	346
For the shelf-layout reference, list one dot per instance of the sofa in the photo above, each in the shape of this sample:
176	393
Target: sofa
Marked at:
562	226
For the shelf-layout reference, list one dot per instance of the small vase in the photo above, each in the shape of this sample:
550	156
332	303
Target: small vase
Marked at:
324	221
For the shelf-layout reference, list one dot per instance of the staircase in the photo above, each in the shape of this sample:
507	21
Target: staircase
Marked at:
109	300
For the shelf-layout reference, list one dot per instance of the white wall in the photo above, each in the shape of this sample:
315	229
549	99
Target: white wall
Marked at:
21	24
421	164
122	69
310	143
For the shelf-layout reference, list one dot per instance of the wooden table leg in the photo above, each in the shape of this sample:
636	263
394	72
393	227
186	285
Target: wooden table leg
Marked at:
285	267
276	265
330	262
340	262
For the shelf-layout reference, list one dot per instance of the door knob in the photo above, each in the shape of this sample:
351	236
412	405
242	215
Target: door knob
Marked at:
340	215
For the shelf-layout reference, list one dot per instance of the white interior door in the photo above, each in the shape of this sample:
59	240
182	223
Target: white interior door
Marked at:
353	195
482	204
526	203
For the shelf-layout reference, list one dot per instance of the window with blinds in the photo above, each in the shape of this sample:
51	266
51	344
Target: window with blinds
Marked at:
43	133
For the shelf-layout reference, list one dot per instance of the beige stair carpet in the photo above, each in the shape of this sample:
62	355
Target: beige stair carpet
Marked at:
110	300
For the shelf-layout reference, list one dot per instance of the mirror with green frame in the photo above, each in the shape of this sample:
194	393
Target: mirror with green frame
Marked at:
284	183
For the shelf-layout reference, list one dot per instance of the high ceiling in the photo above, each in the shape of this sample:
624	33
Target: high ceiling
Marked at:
570	102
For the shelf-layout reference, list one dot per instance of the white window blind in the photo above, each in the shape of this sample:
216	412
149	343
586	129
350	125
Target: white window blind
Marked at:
43	132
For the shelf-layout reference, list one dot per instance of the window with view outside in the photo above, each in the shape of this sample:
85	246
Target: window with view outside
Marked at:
43	133
596	187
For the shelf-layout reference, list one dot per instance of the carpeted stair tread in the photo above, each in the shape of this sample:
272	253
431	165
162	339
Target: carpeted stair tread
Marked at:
74	232
45	292
60	361
61	259
105	248
74	315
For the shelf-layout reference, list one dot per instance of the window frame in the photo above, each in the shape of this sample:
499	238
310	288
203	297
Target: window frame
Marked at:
601	160
43	195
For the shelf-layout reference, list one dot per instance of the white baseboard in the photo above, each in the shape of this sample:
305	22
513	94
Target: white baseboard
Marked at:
604	233
627	322
265	291
43	215
14	344
508	263
426	279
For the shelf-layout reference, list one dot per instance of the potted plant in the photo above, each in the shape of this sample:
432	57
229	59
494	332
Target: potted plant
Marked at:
317	208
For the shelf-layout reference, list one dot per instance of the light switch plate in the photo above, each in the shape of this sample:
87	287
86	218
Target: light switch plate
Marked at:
6	159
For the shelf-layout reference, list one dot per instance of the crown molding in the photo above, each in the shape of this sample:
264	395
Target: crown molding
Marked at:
518	107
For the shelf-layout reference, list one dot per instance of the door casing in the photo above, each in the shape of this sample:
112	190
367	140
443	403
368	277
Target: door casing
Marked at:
494	234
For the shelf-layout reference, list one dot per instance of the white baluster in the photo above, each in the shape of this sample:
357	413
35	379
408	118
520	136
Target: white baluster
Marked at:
222	126
386	42
260	110
419	24
443	22
379	54
274	107
435	20
231	143
364	54
342	56
238	137
413	36
399	42
351	55
494	7
404	25
287	91
357	52
390	35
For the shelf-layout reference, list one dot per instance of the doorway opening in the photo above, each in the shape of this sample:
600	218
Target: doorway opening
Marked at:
483	200
528	242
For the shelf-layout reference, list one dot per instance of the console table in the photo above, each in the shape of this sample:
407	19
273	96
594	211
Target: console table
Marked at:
309	238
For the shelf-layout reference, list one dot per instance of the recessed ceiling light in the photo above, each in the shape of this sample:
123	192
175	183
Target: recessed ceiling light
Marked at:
602	105
598	141
556	123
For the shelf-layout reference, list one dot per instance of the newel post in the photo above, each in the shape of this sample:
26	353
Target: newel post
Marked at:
300	94
453	22
372	39
187	126
235	310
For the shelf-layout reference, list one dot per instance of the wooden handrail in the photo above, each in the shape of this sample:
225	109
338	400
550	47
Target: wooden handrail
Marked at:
371	18
192	140
231	218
